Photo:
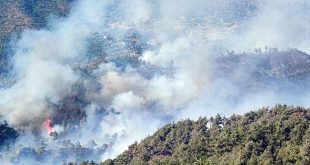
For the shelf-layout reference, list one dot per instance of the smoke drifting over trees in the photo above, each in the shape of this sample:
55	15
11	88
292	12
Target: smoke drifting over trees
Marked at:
113	72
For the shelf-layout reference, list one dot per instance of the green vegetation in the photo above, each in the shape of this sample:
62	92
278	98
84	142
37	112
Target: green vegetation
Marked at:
280	135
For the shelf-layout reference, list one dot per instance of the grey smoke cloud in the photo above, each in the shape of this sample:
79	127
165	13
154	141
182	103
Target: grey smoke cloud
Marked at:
184	38
42	60
280	24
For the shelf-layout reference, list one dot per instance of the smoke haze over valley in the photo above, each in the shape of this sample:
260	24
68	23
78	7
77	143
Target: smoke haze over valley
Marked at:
82	80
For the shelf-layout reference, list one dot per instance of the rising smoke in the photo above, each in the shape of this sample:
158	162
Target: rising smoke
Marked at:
115	71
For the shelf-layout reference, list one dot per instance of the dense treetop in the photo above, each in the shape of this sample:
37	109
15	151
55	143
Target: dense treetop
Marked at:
279	135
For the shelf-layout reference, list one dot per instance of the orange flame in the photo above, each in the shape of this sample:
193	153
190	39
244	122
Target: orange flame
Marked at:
48	125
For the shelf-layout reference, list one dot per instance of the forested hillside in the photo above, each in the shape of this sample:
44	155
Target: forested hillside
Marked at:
18	15
279	135
85	79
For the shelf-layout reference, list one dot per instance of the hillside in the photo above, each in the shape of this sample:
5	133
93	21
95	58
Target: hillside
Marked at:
18	15
269	70
278	135
84	79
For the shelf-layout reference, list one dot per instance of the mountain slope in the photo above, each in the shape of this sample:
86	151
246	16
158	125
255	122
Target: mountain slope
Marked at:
18	15
280	135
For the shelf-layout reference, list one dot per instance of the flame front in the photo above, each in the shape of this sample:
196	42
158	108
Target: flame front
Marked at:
48	124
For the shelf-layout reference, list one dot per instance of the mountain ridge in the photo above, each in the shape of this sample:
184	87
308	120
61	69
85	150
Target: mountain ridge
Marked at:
278	135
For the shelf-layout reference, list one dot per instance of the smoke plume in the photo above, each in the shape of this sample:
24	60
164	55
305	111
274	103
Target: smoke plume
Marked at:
115	71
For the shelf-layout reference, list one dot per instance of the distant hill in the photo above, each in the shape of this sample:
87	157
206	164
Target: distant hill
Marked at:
284	72
280	135
18	15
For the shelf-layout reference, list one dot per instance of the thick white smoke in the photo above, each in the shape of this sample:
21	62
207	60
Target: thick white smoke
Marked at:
176	81
43	62
280	24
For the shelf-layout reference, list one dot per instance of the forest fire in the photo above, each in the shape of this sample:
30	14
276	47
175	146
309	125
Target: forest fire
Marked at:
48	124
